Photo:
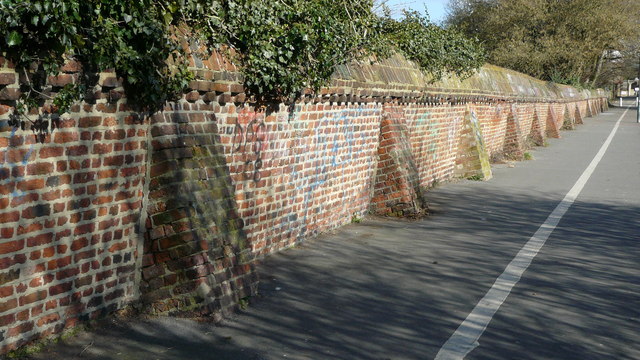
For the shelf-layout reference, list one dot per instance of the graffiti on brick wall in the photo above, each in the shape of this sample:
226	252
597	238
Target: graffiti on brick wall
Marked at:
451	135
250	141
9	169
429	129
334	151
434	138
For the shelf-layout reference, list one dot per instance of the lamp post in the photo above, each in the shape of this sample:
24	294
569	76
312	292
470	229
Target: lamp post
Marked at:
637	89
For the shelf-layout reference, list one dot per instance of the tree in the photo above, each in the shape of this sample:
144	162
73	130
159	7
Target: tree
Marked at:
565	41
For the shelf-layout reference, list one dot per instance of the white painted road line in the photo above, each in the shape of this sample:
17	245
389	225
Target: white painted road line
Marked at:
465	338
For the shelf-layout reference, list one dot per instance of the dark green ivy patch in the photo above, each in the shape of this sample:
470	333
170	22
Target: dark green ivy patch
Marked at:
282	47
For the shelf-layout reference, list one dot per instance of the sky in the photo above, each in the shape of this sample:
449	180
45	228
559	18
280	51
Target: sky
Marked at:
436	8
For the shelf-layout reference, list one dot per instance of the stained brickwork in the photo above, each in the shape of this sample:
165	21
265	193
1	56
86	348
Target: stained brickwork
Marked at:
170	211
302	172
196	255
68	213
397	185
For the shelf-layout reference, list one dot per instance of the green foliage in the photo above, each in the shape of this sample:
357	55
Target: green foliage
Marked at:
287	46
562	41
130	36
438	51
282	47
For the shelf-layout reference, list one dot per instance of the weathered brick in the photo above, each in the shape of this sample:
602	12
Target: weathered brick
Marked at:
102	148
164	130
114	134
7	305
29	228
109	121
89	121
83	281
152	272
71	66
22	328
84	177
6	291
47	152
127	172
11	246
78	150
48	319
113	161
61	137
58	263
95	301
118	247
61	80
7	78
6	233
10	94
7	188
23	199
4	203
35	211
48	252
89	254
109	173
63	274
60	288
51	195
84	229
103	275
7	319
39	168
17	155
28	185
33	297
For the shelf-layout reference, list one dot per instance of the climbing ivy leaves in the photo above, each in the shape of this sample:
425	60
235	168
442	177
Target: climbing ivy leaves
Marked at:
438	51
282	47
287	46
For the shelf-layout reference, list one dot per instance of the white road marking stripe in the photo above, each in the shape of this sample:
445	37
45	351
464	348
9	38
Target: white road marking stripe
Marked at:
465	338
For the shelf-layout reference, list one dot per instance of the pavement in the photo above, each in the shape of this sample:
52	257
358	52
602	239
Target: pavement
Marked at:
396	289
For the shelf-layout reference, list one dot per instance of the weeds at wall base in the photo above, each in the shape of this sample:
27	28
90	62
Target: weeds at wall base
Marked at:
38	346
475	177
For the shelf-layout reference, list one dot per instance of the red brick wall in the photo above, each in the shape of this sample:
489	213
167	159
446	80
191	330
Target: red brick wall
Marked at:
301	173
397	190
196	256
172	210
68	211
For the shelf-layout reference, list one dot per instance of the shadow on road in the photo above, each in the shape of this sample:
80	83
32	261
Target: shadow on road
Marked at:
393	289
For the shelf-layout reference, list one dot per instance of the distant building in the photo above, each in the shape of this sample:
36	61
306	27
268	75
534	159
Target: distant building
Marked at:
627	88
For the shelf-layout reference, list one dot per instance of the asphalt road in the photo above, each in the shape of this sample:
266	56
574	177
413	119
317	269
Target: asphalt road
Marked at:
393	289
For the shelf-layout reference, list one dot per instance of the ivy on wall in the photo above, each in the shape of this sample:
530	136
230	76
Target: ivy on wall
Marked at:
437	51
282	47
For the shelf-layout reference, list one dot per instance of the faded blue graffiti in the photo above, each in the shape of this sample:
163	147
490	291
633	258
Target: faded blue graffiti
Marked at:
333	150
9	166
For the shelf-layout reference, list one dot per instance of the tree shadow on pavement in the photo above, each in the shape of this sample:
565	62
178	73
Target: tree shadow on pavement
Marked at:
395	289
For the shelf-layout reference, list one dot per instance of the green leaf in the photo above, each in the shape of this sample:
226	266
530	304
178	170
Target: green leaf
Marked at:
14	38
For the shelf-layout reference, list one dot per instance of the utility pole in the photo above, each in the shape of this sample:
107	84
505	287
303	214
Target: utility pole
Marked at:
638	104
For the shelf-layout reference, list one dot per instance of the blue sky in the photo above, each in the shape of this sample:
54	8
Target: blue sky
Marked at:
436	7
